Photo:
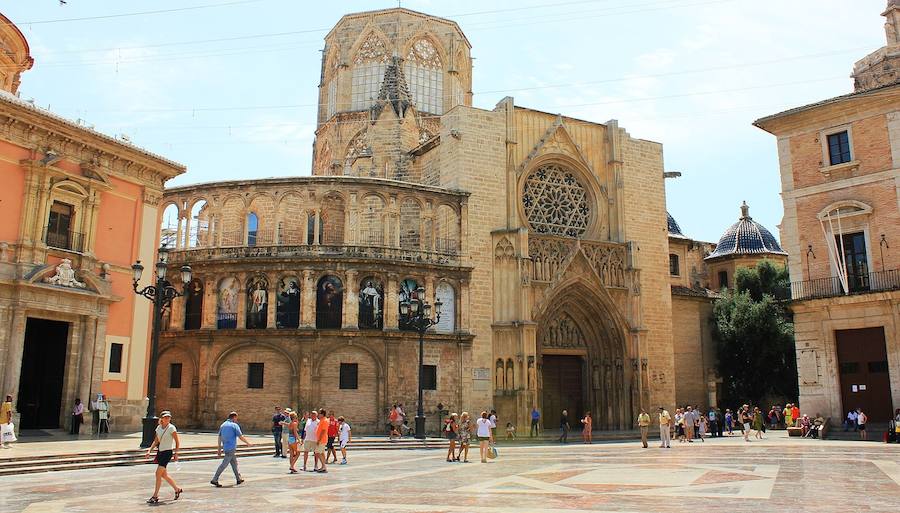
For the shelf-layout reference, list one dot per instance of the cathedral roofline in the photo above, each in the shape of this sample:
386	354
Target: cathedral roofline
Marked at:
403	10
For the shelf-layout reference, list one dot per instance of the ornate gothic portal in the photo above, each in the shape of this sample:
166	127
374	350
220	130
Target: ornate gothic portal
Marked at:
582	365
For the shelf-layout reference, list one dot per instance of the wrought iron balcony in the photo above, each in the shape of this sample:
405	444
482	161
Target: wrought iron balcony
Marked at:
857	284
69	241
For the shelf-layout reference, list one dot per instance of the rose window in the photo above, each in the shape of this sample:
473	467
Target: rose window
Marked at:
555	202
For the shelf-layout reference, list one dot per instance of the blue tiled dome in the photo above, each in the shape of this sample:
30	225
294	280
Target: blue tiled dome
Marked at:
674	229
746	237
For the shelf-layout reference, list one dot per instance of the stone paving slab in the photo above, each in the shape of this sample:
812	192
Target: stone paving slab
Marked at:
777	474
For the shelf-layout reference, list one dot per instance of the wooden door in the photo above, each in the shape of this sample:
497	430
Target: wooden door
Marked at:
863	366
562	377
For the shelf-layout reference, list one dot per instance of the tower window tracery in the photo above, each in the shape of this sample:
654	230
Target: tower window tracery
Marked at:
425	76
368	72
555	202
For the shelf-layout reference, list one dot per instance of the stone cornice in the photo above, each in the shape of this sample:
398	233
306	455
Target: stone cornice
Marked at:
301	181
27	126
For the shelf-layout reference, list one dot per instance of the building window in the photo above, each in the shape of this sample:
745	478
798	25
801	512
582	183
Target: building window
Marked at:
839	148
429	377
174	375
59	226
853	246
115	357
349	379
252	228
723	279
255	375
368	72
673	265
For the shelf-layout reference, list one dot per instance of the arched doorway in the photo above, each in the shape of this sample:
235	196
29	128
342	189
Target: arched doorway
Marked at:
583	361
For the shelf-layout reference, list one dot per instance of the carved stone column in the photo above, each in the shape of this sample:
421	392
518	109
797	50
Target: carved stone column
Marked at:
210	304
14	352
272	301
308	302
351	302
242	302
391	304
85	362
429	288
463	305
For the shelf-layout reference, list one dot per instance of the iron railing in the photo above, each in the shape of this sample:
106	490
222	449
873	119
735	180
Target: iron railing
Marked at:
226	321
857	283
70	241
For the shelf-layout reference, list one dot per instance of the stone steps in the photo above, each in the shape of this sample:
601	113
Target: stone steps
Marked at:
88	460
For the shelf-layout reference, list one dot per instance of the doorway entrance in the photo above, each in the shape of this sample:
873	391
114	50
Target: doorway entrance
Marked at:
863	365
562	376
43	366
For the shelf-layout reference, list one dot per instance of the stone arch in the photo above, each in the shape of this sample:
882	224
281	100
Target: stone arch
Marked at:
170	220
357	148
231	220
229	373
181	401
424	64
366	400
370	55
446	229
591	374
291	214
332	222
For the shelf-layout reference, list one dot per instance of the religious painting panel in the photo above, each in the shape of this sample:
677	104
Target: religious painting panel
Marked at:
329	302
408	291
227	301
257	302
371	304
287	311
447	296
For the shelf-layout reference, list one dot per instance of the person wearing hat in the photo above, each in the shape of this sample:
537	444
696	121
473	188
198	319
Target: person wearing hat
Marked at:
665	435
167	444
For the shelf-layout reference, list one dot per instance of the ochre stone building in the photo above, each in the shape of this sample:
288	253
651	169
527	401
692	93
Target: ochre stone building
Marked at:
79	208
544	237
840	179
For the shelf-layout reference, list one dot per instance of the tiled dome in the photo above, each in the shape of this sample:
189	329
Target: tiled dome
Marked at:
674	229
746	237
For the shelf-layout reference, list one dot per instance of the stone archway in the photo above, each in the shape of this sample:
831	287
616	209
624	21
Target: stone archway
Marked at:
583	359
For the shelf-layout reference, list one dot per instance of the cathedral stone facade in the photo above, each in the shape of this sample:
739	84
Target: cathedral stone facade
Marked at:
544	237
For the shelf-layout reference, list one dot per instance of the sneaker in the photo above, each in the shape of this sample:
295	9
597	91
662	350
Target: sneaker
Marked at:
216	484
343	462
239	481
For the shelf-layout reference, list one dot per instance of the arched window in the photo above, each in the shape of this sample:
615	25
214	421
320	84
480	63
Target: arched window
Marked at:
252	228
331	226
674	268
447	296
371	304
193	305
226	304
368	72
198	234
257	303
329	302
425	76
168	228
371	227
287	314
499	375
446	230
409	290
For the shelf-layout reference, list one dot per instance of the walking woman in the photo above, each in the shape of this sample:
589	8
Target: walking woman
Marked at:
465	434
587	432
294	441
166	437
485	437
452	435
77	417
758	422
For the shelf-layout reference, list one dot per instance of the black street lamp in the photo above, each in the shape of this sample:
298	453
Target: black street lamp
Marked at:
161	295
416	314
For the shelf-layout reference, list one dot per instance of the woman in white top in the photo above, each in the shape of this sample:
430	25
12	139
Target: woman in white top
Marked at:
167	443
485	436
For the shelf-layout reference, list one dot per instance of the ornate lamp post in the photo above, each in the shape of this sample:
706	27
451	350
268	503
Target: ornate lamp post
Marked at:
161	294
416	313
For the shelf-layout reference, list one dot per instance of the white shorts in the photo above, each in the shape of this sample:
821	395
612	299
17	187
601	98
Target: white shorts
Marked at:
343	444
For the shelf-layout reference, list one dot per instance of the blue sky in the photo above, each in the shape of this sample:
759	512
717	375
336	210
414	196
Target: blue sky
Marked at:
691	74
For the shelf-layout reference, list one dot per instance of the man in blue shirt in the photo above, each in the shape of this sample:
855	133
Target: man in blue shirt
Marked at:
535	419
229	432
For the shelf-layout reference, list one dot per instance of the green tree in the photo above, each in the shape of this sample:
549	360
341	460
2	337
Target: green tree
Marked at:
755	338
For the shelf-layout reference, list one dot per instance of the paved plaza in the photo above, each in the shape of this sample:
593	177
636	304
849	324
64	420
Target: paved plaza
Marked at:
776	474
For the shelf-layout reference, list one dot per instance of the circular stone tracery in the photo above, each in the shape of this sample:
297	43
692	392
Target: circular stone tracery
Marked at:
555	202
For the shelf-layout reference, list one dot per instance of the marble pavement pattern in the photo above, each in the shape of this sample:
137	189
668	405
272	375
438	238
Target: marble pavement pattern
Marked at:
776	474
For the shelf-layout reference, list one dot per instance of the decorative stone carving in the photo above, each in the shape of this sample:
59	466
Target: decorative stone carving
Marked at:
562	332
65	276
555	202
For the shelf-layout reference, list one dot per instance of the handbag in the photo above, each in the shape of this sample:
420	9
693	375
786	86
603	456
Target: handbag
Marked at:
492	452
7	433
